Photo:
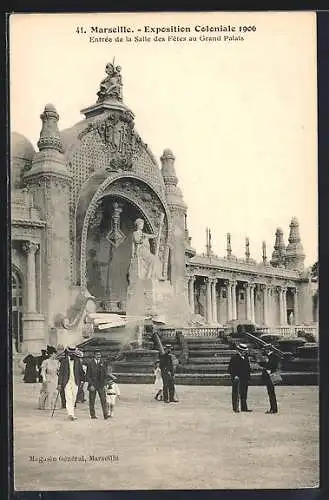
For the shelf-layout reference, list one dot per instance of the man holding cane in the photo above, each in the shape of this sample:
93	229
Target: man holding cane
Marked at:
239	369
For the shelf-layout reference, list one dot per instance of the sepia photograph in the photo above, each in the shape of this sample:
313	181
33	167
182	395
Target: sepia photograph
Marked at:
164	251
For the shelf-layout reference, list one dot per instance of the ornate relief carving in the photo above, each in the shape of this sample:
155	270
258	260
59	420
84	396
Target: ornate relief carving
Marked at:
118	138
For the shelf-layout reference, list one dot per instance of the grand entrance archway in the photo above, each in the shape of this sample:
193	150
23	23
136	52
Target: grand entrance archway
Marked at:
17	309
109	250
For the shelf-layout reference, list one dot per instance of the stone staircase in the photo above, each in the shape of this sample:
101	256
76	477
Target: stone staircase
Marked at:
206	362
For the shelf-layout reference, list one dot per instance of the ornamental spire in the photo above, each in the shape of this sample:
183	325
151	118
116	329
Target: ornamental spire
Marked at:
49	136
279	253
295	253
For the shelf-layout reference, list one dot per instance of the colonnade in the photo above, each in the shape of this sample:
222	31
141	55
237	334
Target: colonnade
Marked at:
269	302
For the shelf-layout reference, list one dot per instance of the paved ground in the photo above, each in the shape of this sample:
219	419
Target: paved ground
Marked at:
196	444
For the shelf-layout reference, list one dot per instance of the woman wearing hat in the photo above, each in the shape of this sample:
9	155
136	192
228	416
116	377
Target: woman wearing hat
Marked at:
239	369
49	373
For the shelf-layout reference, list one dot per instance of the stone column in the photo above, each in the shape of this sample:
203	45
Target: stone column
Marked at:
252	302
208	293
213	300
269	305
229	301
284	305
265	299
234	314
191	292
281	305
296	311
31	248
248	290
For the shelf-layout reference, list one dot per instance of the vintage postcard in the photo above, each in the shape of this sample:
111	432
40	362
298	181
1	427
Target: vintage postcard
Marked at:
164	261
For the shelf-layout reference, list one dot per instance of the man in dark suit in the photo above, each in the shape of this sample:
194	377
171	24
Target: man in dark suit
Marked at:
97	378
270	365
168	372
70	375
239	369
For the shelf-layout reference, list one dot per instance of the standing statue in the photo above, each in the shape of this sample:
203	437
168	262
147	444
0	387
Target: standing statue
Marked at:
291	318
142	257
111	86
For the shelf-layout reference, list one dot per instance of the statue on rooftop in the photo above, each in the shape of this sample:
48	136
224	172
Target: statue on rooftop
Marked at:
111	86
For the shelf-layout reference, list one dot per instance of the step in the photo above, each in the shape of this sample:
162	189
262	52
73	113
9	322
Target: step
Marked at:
208	352
220	379
300	365
204	340
208	360
208	368
215	346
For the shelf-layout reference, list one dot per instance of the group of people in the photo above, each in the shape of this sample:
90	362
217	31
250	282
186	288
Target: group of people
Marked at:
240	372
63	373
239	369
165	376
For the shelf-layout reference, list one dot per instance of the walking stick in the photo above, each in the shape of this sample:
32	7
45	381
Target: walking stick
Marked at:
55	403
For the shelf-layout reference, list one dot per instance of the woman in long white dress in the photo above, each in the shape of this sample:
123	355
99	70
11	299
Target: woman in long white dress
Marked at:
49	372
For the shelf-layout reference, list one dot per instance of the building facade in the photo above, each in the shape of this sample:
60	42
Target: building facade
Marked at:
74	204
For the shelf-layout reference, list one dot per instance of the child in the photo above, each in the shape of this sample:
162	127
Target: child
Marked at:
158	384
112	393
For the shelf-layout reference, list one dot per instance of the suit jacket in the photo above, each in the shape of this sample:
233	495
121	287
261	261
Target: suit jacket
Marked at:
64	372
96	375
166	363
239	367
272	364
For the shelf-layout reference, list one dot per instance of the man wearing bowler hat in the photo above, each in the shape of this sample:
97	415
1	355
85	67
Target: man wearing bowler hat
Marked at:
239	369
168	372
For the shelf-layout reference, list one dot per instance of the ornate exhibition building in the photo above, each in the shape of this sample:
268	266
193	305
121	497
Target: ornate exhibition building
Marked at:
74	208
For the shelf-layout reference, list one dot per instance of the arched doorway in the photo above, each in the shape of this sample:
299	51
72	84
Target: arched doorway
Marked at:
17	309
107	261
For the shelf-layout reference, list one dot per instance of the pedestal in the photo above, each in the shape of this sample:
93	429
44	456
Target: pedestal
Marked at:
33	333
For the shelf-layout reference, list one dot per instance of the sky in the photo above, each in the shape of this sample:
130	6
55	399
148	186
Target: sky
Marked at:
239	115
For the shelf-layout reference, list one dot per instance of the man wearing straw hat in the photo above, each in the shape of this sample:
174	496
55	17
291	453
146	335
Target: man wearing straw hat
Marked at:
69	377
239	369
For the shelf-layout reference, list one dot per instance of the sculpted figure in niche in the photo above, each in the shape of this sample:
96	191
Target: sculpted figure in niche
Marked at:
142	258
111	86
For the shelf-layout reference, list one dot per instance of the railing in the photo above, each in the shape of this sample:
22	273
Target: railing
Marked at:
291	330
193	332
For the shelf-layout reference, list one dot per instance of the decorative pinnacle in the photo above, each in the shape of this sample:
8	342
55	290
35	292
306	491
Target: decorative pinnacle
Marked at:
247	249
49	136
264	252
295	252
279	253
168	167
228	246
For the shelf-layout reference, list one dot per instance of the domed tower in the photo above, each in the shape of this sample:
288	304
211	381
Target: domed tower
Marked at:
177	209
279	253
295	253
22	153
48	180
